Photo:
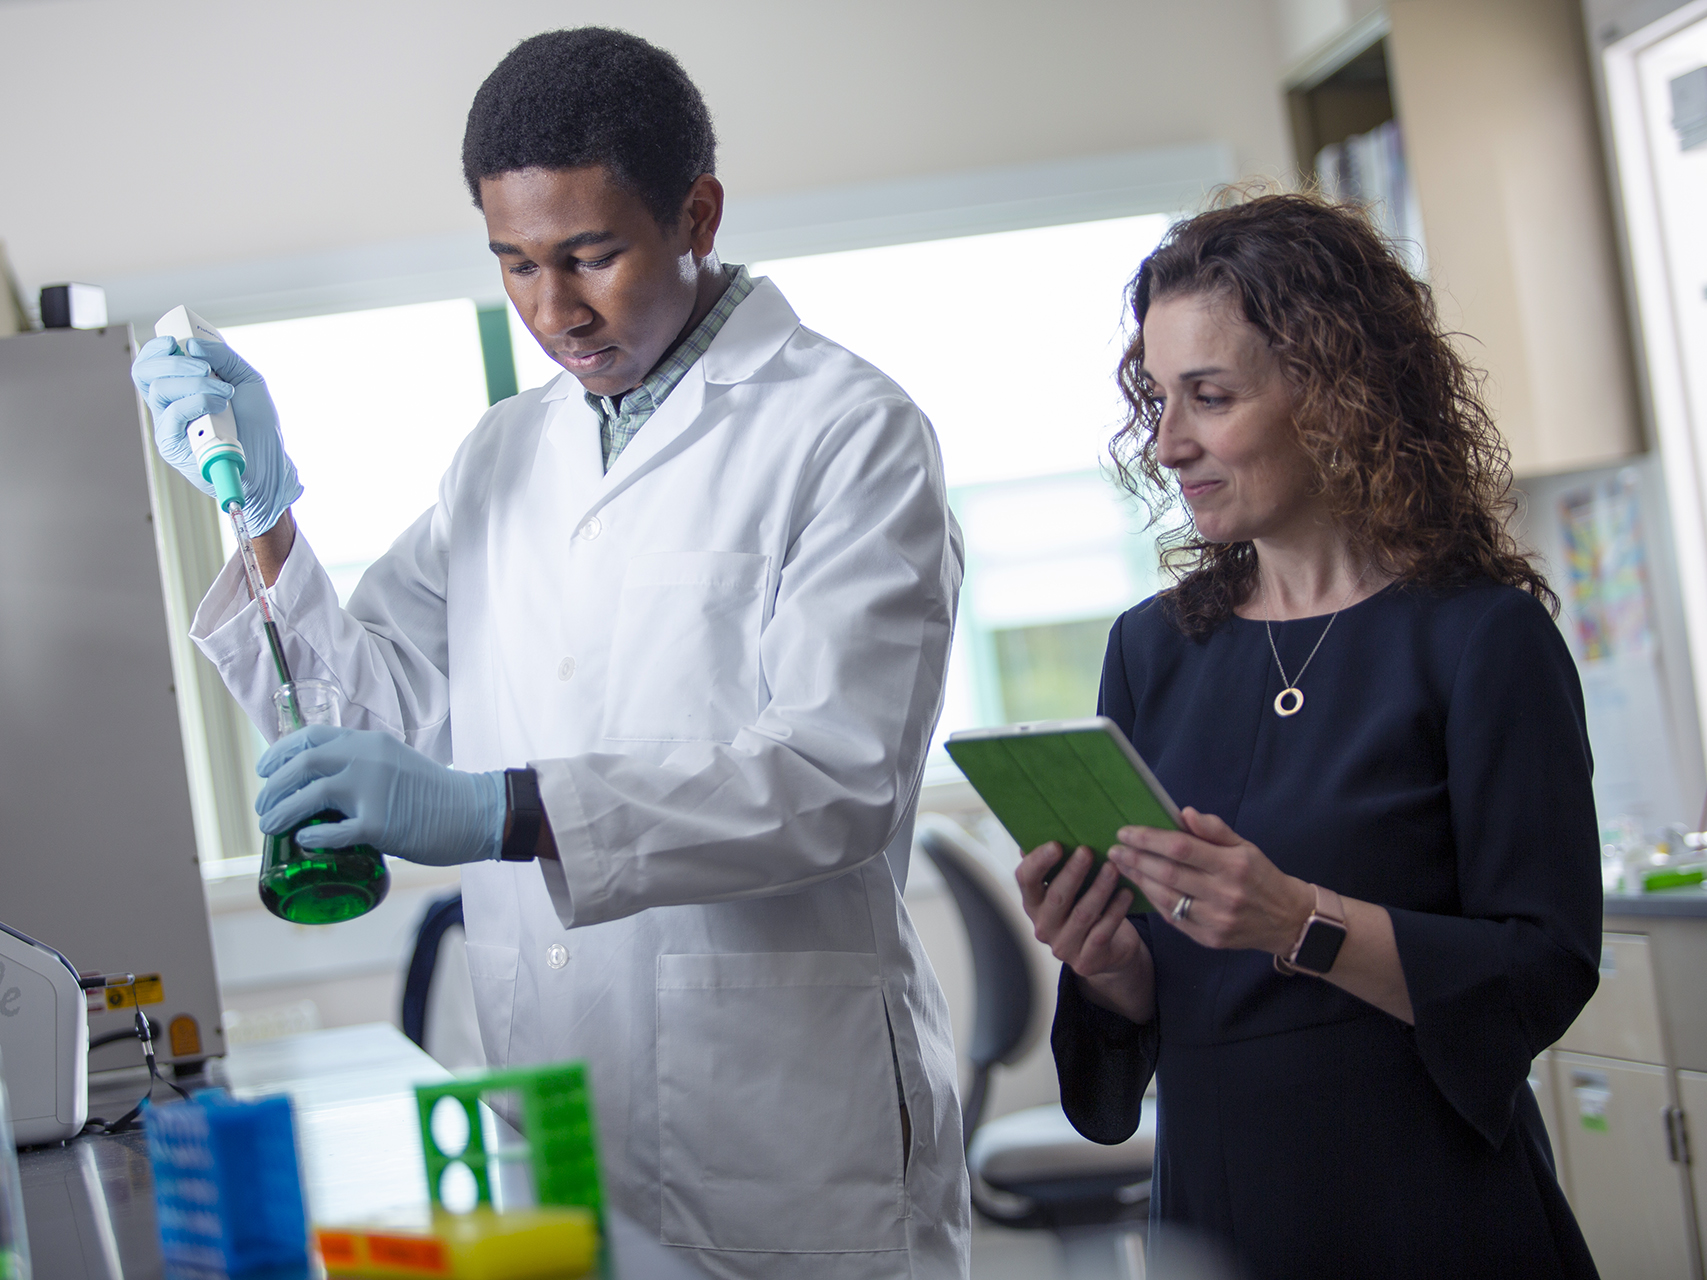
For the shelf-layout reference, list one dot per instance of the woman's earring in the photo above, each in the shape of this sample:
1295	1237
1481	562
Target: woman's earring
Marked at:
1336	464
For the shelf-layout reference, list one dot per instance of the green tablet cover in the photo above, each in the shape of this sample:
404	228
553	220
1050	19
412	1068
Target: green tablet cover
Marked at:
1074	786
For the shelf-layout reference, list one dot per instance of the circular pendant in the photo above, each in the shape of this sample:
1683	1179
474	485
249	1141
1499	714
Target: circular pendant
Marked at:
1284	707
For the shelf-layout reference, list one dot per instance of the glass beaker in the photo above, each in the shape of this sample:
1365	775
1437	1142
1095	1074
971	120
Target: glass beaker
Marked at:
317	886
14	1244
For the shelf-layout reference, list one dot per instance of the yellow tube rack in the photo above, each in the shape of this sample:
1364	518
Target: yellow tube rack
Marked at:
519	1244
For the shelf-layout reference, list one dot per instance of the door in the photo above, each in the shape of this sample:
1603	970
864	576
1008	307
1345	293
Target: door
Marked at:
1628	1184
1652	78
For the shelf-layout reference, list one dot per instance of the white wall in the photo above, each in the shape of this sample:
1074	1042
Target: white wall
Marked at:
140	139
1609	20
1305	27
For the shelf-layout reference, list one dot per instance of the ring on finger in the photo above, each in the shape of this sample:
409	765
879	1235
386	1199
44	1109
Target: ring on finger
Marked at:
1182	908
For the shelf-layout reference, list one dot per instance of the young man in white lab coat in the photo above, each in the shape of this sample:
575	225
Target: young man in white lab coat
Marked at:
680	621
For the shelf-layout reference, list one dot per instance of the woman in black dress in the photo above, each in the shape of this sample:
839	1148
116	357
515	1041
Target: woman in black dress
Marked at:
1387	901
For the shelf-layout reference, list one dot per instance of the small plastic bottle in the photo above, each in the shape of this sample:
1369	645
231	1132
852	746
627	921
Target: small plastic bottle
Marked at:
14	1243
317	886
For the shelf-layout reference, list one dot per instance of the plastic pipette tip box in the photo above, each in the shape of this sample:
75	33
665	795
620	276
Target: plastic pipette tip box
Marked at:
518	1244
228	1195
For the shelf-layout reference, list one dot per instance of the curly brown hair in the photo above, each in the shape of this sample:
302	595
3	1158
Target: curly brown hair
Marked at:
1403	446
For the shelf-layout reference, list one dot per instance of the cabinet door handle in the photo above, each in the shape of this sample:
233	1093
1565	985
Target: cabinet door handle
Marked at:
1677	1135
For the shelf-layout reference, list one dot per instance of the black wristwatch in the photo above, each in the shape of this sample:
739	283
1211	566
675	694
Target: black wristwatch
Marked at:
521	789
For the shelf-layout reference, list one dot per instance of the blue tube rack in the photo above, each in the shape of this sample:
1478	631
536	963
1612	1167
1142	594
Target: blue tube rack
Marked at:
228	1192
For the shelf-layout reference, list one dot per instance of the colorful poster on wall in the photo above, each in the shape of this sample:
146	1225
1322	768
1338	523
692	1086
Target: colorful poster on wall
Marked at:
1606	559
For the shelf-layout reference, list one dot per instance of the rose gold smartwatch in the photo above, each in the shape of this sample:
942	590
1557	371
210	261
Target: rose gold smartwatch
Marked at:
1319	942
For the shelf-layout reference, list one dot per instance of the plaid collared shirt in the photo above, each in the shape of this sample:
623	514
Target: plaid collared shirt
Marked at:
621	417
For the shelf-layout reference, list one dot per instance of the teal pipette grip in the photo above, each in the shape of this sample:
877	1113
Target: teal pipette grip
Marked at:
224	471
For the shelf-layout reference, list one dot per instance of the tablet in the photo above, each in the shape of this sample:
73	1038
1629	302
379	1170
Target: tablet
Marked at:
1076	781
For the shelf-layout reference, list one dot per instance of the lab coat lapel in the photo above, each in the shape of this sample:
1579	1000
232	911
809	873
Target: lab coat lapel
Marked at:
570	448
754	332
569	471
532	528
678	413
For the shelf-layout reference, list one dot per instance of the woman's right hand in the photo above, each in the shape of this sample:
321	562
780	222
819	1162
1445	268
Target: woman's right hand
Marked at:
1091	936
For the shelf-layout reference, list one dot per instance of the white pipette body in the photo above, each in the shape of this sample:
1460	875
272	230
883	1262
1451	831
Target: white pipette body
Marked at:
213	438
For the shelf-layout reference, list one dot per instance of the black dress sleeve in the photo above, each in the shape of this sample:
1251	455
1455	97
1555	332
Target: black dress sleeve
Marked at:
1496	984
1103	1061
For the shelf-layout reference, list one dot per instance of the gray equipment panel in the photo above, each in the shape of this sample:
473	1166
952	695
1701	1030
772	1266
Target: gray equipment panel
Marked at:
97	842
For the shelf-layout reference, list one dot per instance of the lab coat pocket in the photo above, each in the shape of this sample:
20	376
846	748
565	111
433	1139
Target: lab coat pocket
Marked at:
779	1126
684	658
492	971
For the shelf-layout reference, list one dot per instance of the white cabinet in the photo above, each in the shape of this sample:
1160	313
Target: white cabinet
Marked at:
1621	1109
1542	1084
1692	1121
1628	1186
1622	1019
1498	118
1495	106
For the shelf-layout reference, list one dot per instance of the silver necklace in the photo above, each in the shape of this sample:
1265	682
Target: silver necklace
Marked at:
1283	707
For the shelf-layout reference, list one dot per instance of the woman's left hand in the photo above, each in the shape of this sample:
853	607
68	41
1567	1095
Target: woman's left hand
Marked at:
1239	899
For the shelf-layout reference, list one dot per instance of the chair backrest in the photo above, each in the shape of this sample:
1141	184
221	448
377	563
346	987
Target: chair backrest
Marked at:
1007	972
441	914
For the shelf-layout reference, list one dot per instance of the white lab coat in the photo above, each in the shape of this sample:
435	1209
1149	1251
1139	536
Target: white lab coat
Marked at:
725	659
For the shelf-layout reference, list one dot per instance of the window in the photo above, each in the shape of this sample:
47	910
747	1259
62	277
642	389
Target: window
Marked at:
1009	342
373	405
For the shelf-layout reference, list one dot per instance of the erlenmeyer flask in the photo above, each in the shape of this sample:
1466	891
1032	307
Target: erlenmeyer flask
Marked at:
317	886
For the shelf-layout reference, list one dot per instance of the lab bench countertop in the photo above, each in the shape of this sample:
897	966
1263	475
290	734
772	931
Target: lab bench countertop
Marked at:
1666	902
89	1203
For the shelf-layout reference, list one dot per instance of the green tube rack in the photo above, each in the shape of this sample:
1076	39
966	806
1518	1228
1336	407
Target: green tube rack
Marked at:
556	1122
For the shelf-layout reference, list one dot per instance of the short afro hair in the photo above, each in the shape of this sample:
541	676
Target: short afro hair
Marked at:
593	96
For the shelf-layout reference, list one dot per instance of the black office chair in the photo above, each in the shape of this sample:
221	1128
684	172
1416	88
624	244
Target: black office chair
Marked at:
1042	1172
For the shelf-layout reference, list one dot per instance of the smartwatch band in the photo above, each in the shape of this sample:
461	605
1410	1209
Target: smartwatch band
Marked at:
527	814
1320	939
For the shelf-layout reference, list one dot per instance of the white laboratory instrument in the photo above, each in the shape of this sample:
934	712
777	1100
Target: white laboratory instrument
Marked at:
101	847
44	1040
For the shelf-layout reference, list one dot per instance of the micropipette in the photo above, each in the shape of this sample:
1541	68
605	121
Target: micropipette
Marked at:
219	454
302	885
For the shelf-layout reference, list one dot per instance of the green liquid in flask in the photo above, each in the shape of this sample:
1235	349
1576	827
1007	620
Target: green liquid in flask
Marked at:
320	886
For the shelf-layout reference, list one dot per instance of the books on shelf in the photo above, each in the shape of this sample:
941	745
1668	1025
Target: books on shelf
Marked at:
1370	169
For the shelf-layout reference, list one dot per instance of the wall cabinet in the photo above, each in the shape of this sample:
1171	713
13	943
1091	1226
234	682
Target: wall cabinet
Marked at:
1496	109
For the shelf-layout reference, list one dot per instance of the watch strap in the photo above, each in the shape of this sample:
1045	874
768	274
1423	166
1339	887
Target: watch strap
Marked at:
1329	913
527	815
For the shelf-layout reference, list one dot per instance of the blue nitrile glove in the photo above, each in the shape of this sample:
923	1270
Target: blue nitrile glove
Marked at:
394	798
180	388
